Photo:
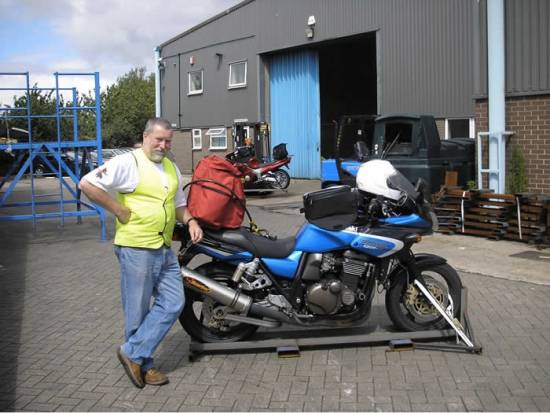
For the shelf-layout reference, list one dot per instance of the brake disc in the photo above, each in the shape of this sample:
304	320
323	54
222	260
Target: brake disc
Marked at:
418	305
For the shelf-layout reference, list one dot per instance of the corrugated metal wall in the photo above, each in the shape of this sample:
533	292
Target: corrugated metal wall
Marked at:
527	47
432	53
425	52
295	110
213	47
425	46
170	83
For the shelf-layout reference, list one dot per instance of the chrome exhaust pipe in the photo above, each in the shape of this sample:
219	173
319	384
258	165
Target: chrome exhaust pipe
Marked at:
225	295
240	302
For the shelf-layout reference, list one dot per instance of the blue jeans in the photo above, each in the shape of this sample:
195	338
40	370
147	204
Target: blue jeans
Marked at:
146	274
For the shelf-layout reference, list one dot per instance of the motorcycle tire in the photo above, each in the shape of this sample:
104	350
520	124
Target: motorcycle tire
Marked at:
194	324
282	177
407	307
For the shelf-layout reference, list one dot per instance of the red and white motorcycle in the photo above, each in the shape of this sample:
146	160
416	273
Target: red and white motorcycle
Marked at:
260	177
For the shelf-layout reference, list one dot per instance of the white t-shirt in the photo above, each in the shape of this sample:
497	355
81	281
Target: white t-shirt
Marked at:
120	174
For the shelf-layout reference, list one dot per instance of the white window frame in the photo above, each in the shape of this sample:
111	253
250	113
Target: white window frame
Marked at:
472	127
195	92
197	134
217	132
238	85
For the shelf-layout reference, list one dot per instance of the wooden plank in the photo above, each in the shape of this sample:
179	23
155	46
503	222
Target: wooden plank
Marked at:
506	197
487	211
451	178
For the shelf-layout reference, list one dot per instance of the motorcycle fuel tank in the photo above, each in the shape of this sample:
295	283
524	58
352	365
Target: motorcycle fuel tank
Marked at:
313	239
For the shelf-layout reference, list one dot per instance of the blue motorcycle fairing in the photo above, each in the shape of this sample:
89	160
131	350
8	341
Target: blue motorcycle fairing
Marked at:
223	255
329	170
314	239
284	267
412	220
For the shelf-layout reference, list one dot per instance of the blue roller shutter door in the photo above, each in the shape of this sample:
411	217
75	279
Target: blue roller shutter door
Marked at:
295	110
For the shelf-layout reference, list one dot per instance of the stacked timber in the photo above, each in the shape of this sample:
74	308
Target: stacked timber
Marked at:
520	217
488	215
530	222
449	206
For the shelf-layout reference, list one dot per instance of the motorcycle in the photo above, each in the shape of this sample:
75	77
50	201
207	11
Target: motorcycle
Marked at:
355	242
260	177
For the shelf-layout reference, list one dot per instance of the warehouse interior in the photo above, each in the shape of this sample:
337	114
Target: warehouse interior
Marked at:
348	82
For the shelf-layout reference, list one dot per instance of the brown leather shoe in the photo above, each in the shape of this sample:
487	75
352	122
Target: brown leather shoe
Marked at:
155	377
133	370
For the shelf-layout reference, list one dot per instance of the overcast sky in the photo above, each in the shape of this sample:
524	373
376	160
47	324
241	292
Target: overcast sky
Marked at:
107	36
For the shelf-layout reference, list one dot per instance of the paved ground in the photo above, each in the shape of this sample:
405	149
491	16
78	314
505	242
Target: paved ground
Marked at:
60	323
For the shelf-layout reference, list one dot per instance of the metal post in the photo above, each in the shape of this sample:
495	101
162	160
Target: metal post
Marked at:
58	149
99	137
157	82
496	82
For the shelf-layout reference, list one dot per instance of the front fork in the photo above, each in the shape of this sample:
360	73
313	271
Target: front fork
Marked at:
414	274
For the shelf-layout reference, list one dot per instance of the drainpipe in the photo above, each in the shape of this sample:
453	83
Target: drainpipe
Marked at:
496	85
157	82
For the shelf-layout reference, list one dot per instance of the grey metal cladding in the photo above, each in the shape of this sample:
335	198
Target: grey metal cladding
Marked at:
425	45
527	47
213	47
169	90
425	52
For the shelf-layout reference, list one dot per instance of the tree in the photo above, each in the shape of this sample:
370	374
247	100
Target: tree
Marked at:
43	103
126	107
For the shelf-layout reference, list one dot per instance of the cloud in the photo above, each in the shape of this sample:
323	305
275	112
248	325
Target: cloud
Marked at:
108	36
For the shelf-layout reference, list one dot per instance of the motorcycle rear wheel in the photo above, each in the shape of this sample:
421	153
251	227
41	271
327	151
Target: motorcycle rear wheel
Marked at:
409	310
197	313
282	177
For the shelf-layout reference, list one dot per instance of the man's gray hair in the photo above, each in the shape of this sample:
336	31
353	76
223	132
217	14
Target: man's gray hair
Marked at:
160	122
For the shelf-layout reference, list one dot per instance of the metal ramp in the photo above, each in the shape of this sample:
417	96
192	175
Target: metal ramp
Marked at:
65	201
288	343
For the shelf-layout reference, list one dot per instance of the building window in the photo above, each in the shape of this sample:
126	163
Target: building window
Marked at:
459	128
237	74
197	139
195	82
218	138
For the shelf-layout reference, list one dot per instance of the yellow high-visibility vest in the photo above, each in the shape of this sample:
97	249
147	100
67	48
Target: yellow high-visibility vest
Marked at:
152	205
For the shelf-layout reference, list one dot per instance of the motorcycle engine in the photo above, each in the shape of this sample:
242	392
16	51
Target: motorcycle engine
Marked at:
340	276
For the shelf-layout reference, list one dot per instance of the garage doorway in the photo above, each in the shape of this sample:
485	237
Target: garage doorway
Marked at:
348	83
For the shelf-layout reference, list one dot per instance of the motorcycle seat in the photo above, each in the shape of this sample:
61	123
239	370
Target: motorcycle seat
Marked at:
258	245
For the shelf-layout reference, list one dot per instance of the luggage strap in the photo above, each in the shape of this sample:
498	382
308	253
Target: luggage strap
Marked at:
232	195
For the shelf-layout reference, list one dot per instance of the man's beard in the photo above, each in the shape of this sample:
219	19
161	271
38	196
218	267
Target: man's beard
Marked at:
157	156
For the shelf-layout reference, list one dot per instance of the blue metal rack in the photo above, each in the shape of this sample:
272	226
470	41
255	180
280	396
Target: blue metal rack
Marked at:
27	152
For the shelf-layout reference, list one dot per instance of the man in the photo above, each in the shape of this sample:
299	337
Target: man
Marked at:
148	202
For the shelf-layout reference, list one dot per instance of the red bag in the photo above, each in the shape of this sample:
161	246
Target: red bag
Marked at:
216	197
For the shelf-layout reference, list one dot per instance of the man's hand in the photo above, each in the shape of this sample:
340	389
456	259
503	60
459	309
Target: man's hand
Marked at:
123	214
195	231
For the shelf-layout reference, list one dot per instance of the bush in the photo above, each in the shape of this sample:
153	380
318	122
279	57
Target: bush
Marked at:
517	178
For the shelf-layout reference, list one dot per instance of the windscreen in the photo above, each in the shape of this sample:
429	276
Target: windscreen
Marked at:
399	182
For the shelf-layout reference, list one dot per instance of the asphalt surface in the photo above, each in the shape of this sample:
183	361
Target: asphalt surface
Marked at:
61	323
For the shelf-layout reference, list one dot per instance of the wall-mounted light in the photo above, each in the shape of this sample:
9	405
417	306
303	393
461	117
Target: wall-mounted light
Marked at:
161	64
310	29
191	60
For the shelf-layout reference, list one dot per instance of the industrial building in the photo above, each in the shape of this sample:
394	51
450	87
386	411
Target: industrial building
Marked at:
300	64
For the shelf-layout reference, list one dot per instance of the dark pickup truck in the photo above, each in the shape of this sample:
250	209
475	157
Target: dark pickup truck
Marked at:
410	142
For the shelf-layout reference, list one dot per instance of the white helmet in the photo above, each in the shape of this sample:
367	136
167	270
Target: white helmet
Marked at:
379	177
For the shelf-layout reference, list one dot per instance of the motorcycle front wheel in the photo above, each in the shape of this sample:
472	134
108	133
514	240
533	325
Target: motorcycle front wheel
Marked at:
282	177
410	310
202	317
